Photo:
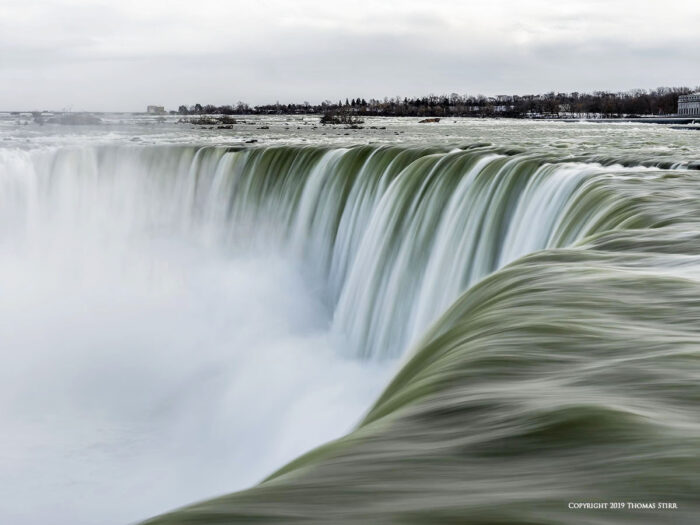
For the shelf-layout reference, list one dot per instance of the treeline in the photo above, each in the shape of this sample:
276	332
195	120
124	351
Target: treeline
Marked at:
639	102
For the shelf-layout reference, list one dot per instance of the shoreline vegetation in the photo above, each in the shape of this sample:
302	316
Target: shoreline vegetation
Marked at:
638	103
658	106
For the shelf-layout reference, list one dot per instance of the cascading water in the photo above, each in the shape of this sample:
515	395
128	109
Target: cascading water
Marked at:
150	268
393	235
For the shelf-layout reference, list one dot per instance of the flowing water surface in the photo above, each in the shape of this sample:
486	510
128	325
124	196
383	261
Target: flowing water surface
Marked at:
490	318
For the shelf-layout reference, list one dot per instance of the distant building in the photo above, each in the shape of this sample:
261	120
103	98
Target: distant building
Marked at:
689	105
155	110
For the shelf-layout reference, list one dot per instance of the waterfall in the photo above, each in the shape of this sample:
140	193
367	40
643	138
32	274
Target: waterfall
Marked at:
194	317
394	235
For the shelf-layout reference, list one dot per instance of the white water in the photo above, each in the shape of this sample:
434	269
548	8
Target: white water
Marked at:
143	365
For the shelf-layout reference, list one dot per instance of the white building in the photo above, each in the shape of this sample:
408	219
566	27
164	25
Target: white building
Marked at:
155	110
689	105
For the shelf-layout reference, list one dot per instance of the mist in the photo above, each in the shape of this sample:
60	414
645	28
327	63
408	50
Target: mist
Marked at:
143	364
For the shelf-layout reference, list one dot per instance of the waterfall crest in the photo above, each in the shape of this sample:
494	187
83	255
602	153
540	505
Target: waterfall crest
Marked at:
394	234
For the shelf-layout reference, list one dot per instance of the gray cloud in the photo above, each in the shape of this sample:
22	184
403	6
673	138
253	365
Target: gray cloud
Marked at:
106	56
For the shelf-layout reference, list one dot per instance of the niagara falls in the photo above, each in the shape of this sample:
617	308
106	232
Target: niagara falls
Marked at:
373	263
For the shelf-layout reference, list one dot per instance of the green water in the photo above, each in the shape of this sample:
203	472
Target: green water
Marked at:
536	287
547	304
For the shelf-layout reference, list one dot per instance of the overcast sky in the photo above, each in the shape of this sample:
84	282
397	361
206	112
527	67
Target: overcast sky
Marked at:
123	55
